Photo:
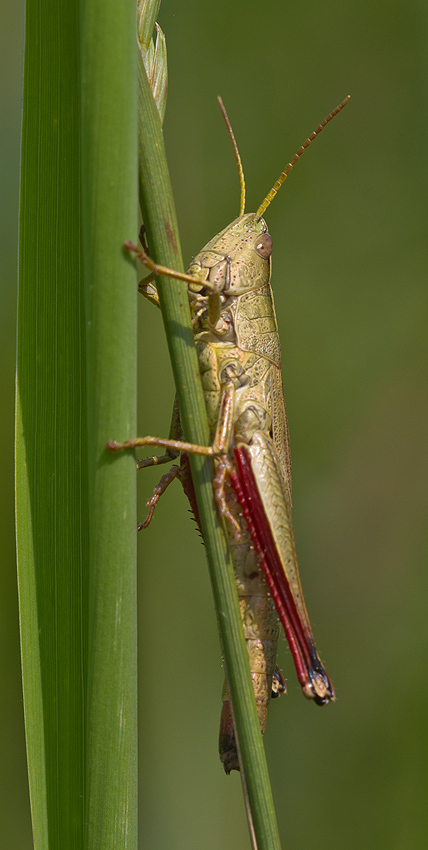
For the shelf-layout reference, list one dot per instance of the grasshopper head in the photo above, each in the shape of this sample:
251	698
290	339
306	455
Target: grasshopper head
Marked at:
237	260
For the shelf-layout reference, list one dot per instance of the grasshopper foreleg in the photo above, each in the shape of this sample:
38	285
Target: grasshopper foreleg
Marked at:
164	271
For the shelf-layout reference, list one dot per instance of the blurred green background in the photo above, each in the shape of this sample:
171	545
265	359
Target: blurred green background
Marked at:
349	278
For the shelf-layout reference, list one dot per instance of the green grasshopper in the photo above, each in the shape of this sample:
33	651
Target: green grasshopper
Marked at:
239	355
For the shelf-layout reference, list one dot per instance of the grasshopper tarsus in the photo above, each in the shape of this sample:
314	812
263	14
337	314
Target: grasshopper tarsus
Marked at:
158	491
131	248
114	446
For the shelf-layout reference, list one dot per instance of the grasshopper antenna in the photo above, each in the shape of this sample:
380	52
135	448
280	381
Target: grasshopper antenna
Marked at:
237	156
282	177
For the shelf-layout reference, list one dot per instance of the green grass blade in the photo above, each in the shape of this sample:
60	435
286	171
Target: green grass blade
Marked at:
109	152
51	466
159	218
76	368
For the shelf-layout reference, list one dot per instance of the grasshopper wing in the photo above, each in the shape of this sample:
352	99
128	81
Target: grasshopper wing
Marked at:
265	500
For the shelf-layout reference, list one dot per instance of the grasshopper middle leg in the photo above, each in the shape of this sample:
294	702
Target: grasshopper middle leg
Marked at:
174	446
219	446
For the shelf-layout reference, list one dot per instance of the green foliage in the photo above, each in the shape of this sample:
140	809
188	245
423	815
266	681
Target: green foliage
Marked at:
75	389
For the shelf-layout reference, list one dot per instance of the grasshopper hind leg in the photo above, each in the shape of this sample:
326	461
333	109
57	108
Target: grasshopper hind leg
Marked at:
157	460
158	491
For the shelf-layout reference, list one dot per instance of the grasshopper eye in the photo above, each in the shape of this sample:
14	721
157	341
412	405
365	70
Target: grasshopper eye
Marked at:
263	246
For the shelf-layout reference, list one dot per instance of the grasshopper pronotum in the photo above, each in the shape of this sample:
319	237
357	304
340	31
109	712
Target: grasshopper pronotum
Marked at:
239	356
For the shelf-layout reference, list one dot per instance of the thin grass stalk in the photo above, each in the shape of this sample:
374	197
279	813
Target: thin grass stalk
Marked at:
161	227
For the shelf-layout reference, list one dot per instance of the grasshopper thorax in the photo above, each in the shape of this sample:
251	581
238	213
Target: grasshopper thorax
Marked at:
237	260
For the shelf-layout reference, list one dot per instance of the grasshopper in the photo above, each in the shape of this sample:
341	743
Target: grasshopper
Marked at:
239	355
